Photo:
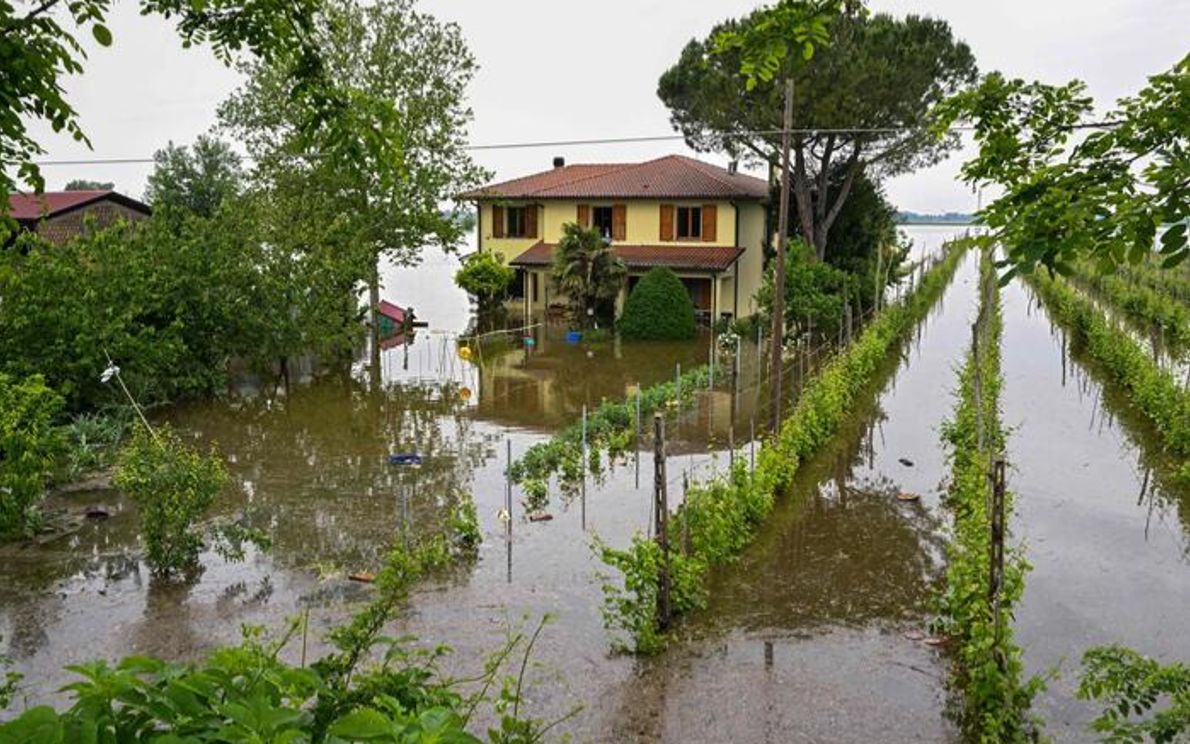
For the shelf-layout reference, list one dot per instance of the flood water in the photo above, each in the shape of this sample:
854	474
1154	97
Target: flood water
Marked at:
1105	530
816	634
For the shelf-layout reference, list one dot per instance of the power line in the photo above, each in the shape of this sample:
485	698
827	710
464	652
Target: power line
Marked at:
618	140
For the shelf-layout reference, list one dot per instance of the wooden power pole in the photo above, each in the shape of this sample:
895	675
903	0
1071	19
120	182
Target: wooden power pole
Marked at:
778	335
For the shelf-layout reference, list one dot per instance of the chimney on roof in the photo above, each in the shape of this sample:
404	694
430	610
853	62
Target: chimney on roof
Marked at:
559	162
733	167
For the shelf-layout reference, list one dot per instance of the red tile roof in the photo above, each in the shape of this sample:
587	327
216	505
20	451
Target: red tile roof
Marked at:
669	177
36	206
675	256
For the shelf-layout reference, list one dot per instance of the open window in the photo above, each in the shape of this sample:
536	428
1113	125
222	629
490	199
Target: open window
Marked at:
689	223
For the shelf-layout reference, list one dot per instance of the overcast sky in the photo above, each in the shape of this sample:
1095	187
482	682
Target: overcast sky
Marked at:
562	69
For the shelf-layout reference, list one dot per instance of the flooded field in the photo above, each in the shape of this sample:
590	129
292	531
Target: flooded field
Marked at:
817	633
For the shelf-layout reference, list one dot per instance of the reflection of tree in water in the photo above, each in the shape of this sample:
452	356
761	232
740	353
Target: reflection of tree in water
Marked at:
315	473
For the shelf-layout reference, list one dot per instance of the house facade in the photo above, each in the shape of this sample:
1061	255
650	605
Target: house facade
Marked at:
708	224
58	216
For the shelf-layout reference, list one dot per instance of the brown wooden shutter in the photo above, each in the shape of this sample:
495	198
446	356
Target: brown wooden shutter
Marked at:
710	220
667	222
584	215
497	221
619	222
531	221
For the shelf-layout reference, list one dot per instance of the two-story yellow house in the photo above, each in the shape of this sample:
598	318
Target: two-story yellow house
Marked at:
706	223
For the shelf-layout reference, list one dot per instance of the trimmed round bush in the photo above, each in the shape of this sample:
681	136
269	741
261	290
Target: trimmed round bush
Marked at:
659	308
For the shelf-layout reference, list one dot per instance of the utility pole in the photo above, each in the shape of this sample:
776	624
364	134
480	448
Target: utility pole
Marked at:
778	339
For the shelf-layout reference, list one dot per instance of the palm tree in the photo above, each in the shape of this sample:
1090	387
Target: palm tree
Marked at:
588	274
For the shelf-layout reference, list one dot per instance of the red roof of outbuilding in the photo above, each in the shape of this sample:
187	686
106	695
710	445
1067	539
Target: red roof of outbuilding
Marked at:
26	207
674	256
669	177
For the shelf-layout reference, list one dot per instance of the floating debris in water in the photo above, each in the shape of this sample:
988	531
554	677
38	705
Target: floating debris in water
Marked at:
364	576
96	512
905	461
405	458
540	516
906	496
503	515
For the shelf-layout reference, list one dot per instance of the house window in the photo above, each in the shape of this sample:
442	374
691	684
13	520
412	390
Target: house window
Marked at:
601	220
689	223
514	222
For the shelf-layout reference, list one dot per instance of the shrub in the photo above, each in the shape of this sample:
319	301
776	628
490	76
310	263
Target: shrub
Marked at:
1130	686
815	292
485	277
29	442
659	308
172	485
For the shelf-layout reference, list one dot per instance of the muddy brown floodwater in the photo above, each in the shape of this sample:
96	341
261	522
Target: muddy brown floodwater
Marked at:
1103	526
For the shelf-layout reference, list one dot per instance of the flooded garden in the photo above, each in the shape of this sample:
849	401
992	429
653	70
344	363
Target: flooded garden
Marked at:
821	629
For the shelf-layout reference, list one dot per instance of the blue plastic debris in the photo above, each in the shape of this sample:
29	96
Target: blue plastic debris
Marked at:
573	337
404	458
530	341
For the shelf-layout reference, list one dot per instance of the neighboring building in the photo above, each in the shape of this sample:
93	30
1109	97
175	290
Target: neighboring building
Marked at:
58	216
706	223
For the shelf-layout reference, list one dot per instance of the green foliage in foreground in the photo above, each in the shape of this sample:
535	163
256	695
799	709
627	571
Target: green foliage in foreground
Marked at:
988	663
1152	389
368	688
659	308
719	518
611	428
1131	686
29	442
173	486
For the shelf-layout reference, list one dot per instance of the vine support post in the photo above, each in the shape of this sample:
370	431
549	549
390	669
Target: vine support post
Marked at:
638	436
977	384
508	482
685	515
778	330
661	508
752	444
586	464
996	564
731	446
711	363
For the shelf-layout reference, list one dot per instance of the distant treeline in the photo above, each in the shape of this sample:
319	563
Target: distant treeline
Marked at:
946	218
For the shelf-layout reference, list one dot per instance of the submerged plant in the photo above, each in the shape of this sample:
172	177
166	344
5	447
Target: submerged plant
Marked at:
172	485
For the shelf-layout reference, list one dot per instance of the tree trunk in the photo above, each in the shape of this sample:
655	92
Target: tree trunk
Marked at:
778	331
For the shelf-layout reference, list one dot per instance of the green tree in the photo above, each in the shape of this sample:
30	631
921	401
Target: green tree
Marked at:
39	46
815	292
198	178
485	277
1079	186
405	74
588	273
29	441
82	184
659	307
874	73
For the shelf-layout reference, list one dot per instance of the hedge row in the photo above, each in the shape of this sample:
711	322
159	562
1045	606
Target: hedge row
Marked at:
988	663
611	429
1154	391
1146	305
720	517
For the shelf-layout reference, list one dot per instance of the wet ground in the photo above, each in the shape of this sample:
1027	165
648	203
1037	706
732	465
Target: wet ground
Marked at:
816	634
1104	529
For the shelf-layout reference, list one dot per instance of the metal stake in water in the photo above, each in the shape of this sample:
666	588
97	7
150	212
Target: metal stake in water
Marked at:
586	460
638	391
752	444
711	363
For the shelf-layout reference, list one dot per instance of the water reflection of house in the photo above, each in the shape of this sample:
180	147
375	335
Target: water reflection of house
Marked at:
705	222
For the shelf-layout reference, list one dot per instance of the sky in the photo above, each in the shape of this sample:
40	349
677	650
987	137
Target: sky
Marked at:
565	70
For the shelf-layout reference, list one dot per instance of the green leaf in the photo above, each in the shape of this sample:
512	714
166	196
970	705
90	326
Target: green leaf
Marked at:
362	725
39	725
102	34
